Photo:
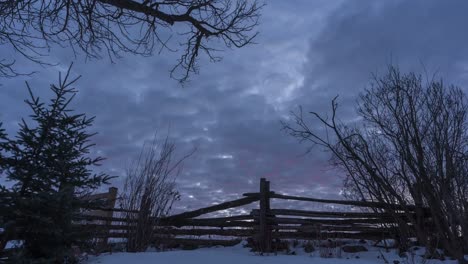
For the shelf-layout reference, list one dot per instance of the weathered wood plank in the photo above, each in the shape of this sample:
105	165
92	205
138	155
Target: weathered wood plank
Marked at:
118	210
98	233
285	220
329	214
199	242
210	223
203	232
214	208
320	228
229	218
343	202
108	196
101	218
255	194
313	236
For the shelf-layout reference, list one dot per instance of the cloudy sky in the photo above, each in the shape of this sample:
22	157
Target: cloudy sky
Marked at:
307	52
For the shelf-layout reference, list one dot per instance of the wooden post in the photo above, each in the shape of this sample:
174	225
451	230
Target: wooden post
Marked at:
264	230
110	204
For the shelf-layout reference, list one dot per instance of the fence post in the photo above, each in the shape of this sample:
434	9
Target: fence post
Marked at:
110	204
265	230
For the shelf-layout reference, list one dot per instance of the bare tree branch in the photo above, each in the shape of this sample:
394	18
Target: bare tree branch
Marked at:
30	27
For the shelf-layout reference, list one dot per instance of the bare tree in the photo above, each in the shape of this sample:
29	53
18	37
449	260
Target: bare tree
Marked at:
411	149
120	26
150	189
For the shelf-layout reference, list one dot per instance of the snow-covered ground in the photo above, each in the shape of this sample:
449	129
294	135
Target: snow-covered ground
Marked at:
240	255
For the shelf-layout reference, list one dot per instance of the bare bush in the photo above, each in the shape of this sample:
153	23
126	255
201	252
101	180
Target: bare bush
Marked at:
411	149
150	189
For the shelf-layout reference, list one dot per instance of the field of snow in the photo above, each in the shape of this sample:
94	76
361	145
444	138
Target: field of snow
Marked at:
240	255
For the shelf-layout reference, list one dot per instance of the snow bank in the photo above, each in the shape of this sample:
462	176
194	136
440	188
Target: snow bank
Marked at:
240	255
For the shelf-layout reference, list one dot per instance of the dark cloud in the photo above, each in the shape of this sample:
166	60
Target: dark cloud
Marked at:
363	37
307	52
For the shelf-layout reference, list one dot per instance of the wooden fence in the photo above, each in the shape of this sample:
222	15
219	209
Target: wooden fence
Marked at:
263	225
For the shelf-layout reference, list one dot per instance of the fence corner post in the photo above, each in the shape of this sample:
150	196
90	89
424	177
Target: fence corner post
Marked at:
265	229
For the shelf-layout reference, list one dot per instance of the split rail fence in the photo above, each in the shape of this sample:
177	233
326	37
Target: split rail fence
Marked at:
264	225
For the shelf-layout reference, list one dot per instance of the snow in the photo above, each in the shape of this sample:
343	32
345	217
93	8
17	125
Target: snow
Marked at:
13	244
240	255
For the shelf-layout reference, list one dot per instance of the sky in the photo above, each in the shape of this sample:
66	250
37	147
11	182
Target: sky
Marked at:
307	52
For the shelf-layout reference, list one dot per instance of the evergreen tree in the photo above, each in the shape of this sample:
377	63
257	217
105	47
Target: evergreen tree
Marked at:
4	203
3	147
51	168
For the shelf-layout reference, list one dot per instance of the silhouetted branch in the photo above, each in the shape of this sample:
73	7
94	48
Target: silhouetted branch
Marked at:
126	26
